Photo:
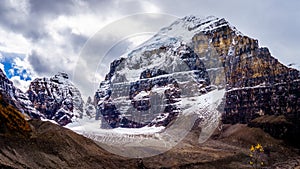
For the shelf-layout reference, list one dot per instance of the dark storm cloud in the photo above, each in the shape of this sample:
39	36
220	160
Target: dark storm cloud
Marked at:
75	41
31	23
38	63
53	7
5	12
90	58
47	65
28	24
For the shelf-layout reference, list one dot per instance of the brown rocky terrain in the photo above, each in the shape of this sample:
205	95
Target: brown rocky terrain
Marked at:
11	120
52	146
47	145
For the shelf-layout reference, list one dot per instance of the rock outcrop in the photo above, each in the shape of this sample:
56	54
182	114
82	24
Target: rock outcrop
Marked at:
89	108
56	98
17	98
152	88
257	84
12	121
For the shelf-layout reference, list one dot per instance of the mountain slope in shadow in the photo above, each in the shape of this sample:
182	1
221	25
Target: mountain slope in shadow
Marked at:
40	144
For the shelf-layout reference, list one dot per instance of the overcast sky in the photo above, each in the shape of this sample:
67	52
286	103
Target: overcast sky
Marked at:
42	37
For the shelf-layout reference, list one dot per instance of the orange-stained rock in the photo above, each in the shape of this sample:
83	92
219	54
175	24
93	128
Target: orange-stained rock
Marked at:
11	120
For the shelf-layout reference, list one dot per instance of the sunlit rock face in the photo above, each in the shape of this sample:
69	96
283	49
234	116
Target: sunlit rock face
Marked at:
256	82
56	98
12	121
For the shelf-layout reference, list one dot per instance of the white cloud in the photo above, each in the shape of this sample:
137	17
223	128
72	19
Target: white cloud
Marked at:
18	12
23	67
81	24
13	42
150	7
22	64
21	6
11	72
21	84
57	38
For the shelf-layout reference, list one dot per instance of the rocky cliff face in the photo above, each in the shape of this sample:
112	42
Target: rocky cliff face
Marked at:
149	81
89	108
256	83
56	98
39	144
17	98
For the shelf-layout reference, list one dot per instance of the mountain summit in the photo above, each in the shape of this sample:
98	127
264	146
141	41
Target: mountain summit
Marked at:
154	82
213	55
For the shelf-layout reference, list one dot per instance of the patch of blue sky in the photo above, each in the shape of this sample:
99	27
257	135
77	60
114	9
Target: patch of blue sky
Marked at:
10	67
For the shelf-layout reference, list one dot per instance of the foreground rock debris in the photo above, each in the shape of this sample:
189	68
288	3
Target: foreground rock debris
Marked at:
52	146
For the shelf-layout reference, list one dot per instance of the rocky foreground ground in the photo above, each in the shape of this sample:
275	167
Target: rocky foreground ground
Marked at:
52	146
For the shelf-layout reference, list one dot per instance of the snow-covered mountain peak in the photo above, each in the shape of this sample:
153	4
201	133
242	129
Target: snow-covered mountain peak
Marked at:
185	28
61	78
192	21
151	77
196	24
182	31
